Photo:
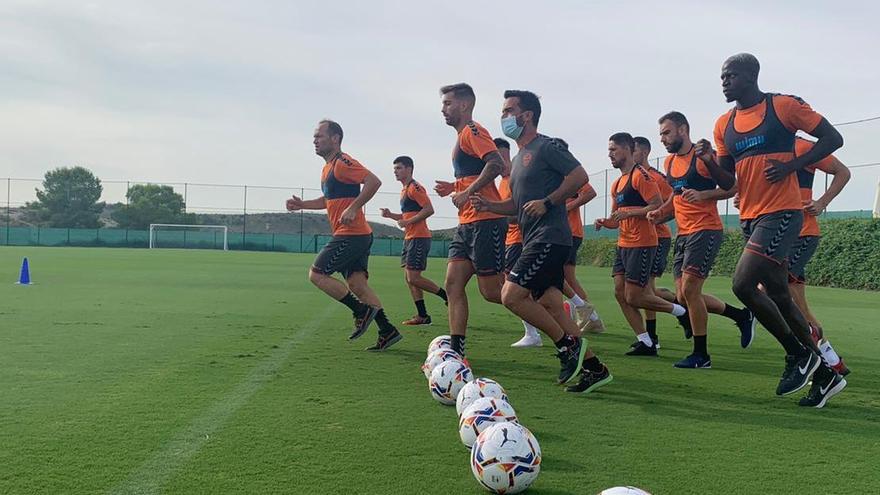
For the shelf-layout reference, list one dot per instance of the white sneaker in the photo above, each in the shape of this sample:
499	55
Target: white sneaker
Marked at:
528	341
583	314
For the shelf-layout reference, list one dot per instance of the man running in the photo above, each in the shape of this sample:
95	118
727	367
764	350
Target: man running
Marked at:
633	195
587	318
664	237
477	247
700	234
513	242
756	140
544	174
415	207
348	251
809	238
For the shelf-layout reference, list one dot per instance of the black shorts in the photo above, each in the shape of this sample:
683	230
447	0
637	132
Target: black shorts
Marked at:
540	266
481	243
512	253
573	254
634	264
415	253
661	257
695	253
773	235
345	254
804	249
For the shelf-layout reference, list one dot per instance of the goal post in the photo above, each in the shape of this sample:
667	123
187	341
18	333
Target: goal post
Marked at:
155	228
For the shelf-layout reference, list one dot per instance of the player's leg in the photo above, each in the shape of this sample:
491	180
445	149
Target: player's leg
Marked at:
531	337
692	291
417	263
651	316
487	251
418	296
459	270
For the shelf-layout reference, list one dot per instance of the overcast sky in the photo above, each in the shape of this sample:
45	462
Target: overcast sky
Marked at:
229	92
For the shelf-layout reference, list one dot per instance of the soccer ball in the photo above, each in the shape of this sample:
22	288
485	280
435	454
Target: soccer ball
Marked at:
447	380
438	357
506	458
624	490
483	413
440	342
480	387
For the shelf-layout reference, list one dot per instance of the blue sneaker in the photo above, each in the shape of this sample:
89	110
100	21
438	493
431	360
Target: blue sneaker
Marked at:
747	330
695	361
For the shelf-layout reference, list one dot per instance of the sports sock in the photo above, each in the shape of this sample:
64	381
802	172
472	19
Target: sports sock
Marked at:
577	301
442	294
457	342
651	326
420	307
352	303
593	364
678	310
531	331
700	345
566	342
829	354
594	316
385	326
734	313
645	339
792	346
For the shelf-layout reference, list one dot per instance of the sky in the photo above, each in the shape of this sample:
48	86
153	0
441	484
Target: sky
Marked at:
230	92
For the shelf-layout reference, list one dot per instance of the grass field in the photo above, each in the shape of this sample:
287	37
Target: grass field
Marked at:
135	371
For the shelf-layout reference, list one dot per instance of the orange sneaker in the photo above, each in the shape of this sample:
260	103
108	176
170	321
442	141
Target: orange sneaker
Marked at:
418	320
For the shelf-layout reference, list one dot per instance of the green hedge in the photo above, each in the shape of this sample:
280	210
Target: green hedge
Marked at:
848	256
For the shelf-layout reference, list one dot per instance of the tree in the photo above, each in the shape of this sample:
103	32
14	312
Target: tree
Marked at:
69	199
151	203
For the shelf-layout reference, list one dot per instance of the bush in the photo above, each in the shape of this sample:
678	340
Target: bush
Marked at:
848	256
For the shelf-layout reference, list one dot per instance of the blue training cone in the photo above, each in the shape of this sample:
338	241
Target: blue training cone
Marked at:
25	277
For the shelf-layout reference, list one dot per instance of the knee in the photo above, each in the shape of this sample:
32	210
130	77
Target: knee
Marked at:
490	293
633	298
620	295
411	277
690	291
744	289
315	277
510	296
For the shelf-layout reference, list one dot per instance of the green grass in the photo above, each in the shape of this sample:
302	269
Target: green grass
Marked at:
135	371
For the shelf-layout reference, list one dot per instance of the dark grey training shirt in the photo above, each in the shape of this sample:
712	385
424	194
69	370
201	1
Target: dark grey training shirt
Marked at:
538	169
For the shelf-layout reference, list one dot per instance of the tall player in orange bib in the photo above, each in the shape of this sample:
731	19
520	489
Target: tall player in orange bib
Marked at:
415	207
477	247
348	252
756	140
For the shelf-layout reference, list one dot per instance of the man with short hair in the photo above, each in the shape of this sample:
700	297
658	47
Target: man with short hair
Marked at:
633	195
544	174
513	242
809	238
415	207
477	247
756	141
700	234
348	251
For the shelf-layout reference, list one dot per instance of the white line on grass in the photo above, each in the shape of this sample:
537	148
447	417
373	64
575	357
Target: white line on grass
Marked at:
157	470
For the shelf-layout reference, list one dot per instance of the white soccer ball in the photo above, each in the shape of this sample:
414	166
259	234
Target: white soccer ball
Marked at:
506	458
438	357
480	387
624	490
440	342
483	413
447	380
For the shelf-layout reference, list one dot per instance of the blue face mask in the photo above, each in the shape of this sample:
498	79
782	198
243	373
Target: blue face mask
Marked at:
510	128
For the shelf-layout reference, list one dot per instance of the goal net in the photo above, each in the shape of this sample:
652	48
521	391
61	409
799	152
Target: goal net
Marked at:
169	235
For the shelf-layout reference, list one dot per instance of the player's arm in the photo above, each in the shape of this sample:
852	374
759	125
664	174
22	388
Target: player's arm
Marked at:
503	207
423	214
295	203
664	213
717	194
492	169
582	198
386	213
371	187
609	223
841	175
799	115
649	192
722	173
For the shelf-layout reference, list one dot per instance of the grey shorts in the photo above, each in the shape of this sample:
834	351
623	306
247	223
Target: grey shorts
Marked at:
804	249
481	243
773	235
345	254
695	253
634	264
511	254
661	257
415	253
540	267
573	254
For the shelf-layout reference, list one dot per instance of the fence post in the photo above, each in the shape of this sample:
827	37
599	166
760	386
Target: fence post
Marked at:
185	191
244	222
302	193
68	236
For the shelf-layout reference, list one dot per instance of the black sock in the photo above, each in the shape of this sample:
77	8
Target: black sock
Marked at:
385	326
352	303
565	342
420	307
651	326
593	364
734	313
793	346
442	294
700	345
458	344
